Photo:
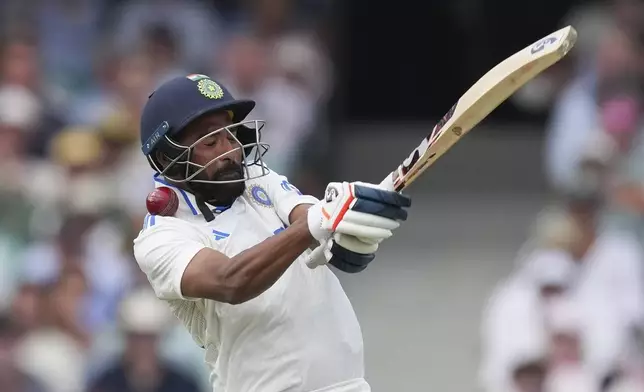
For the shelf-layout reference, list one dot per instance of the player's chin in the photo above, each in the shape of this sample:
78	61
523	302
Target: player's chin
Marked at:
220	193
227	193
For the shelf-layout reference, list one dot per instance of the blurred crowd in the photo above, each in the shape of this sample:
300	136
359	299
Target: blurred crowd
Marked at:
570	317
76	313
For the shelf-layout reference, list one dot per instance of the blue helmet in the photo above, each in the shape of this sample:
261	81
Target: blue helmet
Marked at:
178	102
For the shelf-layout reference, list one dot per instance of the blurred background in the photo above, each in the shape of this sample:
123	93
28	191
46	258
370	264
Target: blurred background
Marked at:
520	269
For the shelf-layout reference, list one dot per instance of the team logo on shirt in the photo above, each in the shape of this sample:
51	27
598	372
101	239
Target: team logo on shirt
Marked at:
220	235
259	195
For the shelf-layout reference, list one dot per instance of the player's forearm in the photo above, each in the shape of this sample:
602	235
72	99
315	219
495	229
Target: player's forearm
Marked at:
213	275
255	270
298	213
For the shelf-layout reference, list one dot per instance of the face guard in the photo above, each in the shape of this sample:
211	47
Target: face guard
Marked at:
245	137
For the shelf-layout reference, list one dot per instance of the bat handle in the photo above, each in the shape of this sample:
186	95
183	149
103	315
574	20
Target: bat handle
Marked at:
387	183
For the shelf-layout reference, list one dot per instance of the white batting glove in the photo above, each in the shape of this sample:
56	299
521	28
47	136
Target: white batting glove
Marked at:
351	221
354	209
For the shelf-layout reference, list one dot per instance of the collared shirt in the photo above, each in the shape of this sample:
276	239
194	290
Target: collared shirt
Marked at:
299	335
610	292
605	289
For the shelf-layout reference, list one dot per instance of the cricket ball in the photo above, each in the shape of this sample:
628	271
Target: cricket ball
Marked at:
162	201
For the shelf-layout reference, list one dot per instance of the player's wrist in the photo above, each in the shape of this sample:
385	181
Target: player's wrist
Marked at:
315	220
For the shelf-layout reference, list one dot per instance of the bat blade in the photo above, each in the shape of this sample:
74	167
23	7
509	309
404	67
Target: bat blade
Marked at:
480	100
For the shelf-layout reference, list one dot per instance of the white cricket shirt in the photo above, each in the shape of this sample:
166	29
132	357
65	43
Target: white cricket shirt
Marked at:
299	335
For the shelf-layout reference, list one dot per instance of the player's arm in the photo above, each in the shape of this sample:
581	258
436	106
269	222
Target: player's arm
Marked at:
180	266
212	275
299	212
350	209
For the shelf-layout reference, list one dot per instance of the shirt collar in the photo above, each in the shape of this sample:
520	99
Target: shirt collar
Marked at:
187	201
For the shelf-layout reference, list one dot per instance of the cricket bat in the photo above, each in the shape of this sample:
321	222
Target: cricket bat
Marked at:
477	102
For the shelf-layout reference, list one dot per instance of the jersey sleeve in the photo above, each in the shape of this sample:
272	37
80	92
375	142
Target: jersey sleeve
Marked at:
285	196
163	250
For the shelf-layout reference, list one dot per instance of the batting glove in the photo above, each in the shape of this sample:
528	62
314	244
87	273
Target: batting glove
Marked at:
351	221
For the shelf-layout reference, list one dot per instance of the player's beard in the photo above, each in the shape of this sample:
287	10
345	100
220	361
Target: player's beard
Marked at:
221	194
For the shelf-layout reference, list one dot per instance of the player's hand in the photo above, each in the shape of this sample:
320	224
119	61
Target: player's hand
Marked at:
351	250
357	209
346	253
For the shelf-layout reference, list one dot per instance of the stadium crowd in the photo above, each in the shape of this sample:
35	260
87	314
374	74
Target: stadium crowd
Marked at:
76	313
570	316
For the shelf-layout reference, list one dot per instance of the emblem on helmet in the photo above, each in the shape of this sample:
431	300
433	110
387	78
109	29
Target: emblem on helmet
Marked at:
210	89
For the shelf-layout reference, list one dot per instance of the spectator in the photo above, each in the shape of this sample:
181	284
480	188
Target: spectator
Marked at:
301	60
567	368
94	249
610	294
161	47
288	109
20	67
198	28
12	377
512	332
143	320
27	307
78	153
124	82
575	114
124	166
607	295
609	291
571	257
20	62
19	116
271	17
622	117
244	65
67	33
19	113
55	352
302	63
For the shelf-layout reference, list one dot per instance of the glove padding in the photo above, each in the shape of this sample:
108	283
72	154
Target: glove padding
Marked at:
348	261
337	252
357	209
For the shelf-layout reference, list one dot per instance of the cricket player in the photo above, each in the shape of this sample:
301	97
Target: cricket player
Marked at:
235	263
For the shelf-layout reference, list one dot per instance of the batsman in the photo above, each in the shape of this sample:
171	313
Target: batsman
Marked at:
242	261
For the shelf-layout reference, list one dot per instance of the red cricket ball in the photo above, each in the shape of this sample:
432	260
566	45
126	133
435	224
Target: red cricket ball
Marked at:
162	201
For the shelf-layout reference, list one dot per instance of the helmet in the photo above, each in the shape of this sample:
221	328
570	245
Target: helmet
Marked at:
178	102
